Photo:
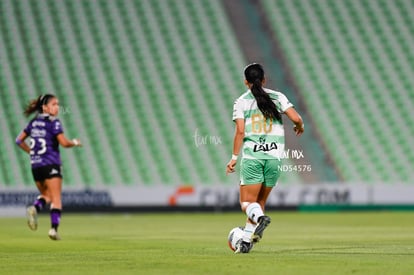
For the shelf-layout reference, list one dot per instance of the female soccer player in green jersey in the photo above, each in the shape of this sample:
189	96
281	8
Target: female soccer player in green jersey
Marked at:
260	136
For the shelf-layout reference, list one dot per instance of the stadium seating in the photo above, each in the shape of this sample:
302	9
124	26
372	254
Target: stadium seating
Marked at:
353	66
148	86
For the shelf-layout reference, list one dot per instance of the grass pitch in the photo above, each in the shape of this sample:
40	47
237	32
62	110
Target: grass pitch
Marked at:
294	243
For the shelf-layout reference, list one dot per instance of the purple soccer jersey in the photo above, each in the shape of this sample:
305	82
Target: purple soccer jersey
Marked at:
44	147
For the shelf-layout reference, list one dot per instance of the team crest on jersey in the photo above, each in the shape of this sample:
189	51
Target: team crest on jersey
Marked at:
262	146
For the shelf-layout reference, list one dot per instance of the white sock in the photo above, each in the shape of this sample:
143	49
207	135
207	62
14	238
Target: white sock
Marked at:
248	231
254	211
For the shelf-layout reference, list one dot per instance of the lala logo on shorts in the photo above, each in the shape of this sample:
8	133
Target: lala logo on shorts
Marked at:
263	146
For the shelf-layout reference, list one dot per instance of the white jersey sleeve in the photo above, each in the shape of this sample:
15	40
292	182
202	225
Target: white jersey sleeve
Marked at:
284	103
238	111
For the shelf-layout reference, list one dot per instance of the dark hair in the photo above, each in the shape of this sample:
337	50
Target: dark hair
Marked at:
36	104
254	74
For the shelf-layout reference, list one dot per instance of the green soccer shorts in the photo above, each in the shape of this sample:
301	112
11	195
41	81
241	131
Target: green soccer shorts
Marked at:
264	171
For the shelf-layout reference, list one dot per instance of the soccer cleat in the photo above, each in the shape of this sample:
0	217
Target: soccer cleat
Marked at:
263	222
31	214
53	235
243	247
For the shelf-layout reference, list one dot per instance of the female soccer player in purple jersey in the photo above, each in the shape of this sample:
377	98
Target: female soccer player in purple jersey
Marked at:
46	133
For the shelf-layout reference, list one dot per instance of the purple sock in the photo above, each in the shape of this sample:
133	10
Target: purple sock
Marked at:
39	203
55	217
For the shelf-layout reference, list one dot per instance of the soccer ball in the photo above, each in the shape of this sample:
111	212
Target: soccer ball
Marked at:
235	236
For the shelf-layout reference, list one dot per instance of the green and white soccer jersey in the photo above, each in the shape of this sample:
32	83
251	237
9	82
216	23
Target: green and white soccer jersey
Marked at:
263	138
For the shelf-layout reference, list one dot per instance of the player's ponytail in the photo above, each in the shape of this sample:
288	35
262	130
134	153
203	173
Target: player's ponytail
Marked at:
254	74
35	105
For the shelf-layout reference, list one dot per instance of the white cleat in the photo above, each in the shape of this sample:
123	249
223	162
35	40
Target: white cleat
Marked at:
31	214
53	235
